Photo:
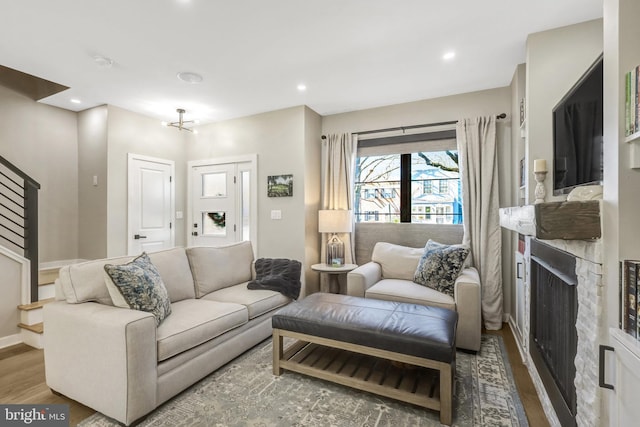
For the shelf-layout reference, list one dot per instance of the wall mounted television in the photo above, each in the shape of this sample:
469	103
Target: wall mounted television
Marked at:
578	133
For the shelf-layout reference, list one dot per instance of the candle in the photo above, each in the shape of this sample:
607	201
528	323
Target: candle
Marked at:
539	165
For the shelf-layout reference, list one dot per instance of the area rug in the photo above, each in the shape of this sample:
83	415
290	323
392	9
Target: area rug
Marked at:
246	393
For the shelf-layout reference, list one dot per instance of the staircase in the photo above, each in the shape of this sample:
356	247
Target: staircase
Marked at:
31	326
19	252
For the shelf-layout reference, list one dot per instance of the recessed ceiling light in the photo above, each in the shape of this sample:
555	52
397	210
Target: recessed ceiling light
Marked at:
75	101
449	56
189	77
302	87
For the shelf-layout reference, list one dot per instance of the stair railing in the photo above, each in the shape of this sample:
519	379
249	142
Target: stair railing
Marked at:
19	216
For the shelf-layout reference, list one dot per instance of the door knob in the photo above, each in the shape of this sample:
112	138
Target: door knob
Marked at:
137	236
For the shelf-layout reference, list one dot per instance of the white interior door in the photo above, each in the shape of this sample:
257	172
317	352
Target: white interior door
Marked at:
223	201
214	215
150	216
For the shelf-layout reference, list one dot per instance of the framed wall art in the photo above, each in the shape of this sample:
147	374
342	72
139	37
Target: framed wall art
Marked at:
280	186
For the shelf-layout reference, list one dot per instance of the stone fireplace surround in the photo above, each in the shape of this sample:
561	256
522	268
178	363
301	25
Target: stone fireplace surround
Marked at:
589	324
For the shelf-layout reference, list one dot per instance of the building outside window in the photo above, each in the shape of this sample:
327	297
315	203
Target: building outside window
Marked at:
419	187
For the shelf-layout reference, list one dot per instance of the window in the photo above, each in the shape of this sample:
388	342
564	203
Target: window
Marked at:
427	187
418	187
443	186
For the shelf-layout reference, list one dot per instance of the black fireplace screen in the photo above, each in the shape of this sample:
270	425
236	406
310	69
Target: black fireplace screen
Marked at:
554	339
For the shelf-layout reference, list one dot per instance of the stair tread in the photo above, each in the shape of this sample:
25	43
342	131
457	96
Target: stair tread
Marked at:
35	305
38	328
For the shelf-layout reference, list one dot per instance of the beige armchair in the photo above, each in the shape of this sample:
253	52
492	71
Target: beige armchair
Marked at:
389	276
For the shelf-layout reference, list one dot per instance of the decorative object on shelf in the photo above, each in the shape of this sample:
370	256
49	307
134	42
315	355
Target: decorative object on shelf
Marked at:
280	186
335	221
180	124
631	104
585	192
630	275
540	172
522	172
522	112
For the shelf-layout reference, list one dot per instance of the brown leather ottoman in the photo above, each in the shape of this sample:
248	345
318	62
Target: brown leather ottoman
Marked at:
371	345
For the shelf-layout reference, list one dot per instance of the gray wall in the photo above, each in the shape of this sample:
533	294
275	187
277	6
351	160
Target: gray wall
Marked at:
556	59
43	142
129	132
283	146
312	185
92	203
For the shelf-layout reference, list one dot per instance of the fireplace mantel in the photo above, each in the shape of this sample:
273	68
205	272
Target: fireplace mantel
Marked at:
574	220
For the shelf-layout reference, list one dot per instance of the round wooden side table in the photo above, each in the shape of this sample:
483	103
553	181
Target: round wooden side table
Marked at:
333	272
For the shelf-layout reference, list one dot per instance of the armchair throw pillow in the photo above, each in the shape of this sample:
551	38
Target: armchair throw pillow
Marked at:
440	266
138	285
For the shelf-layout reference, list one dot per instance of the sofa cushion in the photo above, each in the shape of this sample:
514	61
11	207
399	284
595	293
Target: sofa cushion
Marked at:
409	292
194	321
258	301
397	262
139	286
440	266
175	271
217	268
84	281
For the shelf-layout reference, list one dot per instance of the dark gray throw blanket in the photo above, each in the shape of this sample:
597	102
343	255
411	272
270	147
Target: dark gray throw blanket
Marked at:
278	274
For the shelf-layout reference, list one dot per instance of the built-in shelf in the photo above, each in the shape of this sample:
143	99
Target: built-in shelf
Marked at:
634	150
633	137
631	344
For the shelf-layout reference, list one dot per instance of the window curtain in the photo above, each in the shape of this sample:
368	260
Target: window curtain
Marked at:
477	149
338	169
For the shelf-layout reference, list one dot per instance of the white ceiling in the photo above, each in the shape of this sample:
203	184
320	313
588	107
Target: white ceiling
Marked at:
351	54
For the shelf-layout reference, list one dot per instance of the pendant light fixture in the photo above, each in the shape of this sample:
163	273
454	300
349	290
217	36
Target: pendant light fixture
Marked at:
180	124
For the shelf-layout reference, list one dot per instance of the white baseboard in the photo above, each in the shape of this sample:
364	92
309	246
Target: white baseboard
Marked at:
10	340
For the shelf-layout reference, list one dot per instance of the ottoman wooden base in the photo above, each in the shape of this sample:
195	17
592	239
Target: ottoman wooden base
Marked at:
369	369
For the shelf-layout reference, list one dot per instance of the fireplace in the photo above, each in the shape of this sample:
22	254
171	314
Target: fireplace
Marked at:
553	337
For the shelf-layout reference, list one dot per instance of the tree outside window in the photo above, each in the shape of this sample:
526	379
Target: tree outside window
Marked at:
431	180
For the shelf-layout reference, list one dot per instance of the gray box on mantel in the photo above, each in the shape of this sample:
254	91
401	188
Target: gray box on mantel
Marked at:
574	220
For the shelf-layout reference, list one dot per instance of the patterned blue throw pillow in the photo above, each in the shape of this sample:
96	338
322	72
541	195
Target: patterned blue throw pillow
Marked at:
138	286
440	266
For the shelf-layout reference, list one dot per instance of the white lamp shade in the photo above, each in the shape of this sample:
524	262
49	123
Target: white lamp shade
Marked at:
334	221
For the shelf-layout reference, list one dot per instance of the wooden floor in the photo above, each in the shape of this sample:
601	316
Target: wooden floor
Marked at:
22	381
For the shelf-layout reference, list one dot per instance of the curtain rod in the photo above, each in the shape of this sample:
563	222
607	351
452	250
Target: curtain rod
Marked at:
403	128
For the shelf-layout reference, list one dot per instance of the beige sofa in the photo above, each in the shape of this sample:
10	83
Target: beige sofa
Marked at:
389	276
117	362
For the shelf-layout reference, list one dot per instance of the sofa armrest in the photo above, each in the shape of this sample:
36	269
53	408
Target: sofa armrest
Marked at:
93	351
362	278
467	295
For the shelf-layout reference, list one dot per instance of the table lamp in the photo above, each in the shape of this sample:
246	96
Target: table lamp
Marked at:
335	221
